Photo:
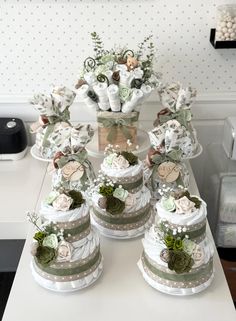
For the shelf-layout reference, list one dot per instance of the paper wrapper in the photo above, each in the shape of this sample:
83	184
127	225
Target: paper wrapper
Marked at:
116	128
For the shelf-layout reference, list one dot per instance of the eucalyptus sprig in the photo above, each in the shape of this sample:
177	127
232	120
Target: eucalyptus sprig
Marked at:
97	46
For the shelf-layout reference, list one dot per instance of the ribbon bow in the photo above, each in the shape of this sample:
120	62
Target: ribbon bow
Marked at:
183	117
114	125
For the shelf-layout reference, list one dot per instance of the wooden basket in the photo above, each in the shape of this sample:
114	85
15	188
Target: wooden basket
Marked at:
116	128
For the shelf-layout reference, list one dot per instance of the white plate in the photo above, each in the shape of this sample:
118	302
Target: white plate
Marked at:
36	154
197	153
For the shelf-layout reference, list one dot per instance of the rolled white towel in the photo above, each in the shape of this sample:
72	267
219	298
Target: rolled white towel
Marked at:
90	78
101	90
83	94
147	90
125	78
137	95
114	99
109	74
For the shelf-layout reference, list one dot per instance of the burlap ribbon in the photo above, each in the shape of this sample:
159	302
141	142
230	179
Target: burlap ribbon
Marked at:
114	124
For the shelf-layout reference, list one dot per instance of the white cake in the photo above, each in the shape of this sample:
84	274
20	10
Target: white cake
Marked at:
126	180
78	261
178	257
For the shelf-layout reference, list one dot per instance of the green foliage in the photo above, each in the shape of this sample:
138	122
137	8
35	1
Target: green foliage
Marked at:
97	46
180	261
114	205
106	190
45	255
78	199
39	236
130	157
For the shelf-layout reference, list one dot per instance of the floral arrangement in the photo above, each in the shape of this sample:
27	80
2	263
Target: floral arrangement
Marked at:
178	202
53	108
118	79
65	200
111	197
180	253
118	158
49	243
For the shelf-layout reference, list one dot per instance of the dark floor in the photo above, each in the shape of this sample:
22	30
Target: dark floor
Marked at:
6	280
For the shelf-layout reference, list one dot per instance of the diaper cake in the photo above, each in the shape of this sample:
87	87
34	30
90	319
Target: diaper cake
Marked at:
173	139
178	257
53	125
65	249
72	168
120	201
114	83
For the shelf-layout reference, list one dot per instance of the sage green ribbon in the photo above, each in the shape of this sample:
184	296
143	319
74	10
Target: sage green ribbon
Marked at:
192	234
192	276
72	270
132	186
80	157
77	230
122	220
118	123
183	116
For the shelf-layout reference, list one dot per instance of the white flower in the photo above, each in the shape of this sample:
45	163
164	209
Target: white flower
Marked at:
64	251
184	205
62	203
50	241
120	162
198	256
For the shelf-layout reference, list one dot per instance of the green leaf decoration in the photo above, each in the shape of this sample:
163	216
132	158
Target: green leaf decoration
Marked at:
45	255
169	241
130	157
39	236
178	244
106	190
114	206
78	199
180	261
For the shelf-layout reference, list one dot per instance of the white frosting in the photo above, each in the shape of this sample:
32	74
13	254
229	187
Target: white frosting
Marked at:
50	214
119	173
182	219
141	199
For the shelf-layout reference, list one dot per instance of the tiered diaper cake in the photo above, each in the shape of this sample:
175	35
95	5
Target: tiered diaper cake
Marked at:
121	203
53	126
173	139
178	257
72	168
115	83
66	250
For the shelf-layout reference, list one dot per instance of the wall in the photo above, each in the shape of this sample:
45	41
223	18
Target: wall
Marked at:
44	43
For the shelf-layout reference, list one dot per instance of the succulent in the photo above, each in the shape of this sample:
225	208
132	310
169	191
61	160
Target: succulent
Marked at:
45	255
169	241
180	261
106	190
40	236
130	157
178	244
114	205
78	199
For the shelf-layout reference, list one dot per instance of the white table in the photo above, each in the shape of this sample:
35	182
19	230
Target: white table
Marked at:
20	186
120	294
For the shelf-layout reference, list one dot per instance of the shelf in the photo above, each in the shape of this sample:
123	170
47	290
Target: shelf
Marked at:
221	44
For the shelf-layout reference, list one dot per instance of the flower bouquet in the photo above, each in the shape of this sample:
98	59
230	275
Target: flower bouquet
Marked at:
114	83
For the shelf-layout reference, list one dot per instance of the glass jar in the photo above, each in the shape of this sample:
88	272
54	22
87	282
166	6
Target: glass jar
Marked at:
226	23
